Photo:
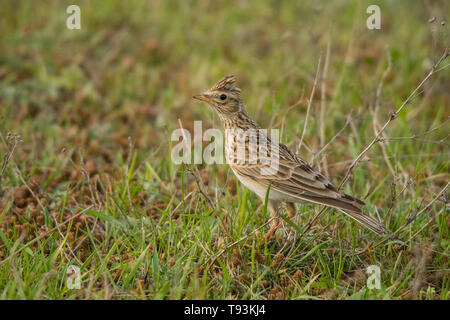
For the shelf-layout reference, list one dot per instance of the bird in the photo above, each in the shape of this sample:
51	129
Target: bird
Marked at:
269	168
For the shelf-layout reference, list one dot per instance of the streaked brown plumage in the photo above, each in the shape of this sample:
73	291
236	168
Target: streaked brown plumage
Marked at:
294	180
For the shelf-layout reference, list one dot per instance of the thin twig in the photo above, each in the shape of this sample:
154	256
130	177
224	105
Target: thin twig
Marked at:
417	214
309	105
323	90
416	136
197	176
427	224
12	140
392	117
316	155
408	221
375	124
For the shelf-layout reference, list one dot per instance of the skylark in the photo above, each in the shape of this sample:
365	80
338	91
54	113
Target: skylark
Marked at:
291	179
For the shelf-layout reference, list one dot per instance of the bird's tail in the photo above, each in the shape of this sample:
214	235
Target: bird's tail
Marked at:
352	208
366	221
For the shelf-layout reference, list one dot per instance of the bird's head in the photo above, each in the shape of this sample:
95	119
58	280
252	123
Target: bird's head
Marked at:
224	97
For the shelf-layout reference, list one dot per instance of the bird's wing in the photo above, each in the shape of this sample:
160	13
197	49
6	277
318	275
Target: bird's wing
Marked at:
288	174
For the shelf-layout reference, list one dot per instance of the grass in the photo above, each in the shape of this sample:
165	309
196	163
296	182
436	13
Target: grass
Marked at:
90	181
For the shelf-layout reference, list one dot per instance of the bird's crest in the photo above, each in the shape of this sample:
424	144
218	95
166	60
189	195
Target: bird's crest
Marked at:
227	83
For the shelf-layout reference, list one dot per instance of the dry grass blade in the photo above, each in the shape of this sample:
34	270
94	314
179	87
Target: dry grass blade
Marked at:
309	106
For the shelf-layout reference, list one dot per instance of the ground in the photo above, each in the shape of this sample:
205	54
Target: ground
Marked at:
86	176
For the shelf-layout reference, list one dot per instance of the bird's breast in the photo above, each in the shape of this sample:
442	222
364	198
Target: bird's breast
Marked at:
260	189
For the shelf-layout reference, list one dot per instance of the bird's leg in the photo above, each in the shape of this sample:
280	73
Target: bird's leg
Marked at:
274	208
290	208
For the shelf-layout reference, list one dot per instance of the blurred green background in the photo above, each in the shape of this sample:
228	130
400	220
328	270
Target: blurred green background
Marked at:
95	108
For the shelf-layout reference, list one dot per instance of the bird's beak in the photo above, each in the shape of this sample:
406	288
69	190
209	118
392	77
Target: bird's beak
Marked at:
202	97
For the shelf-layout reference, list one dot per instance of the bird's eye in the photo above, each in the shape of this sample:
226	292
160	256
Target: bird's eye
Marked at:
223	96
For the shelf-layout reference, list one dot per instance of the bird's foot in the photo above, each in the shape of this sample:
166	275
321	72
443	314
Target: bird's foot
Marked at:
271	233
